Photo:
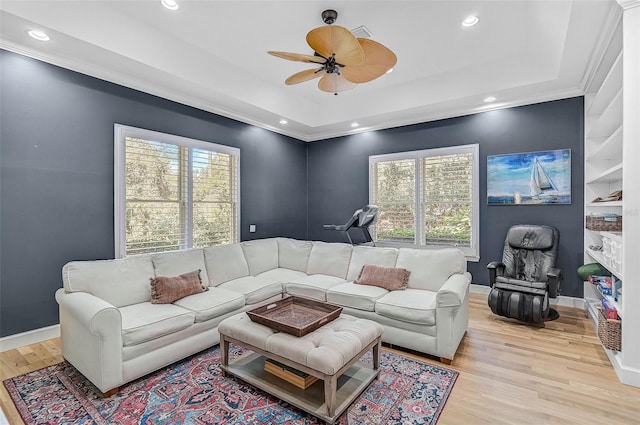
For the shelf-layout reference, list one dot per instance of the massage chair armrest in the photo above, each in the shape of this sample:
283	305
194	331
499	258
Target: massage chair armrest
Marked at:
554	282
496	268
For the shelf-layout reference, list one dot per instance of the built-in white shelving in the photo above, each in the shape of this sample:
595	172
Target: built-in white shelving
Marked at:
610	175
612	136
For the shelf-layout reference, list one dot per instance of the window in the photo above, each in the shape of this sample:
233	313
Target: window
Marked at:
173	193
427	198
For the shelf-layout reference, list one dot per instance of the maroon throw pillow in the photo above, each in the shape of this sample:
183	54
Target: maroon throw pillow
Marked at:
389	278
165	290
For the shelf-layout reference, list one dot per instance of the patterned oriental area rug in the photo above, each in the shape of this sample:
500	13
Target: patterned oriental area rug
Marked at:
194	391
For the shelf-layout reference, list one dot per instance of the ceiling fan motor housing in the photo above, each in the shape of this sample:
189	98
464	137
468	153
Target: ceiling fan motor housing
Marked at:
329	16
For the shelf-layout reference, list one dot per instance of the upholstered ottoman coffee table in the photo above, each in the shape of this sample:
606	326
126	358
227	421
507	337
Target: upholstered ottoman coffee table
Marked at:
330	353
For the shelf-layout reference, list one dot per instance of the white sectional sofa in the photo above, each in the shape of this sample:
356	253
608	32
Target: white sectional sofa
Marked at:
113	334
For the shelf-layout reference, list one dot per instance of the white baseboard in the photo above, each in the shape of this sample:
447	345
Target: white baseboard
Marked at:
561	300
30	337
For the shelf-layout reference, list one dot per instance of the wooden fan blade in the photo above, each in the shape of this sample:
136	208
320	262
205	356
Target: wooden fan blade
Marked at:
378	59
299	57
334	83
302	76
339	40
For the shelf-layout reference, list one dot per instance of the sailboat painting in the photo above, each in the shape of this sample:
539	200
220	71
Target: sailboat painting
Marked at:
531	178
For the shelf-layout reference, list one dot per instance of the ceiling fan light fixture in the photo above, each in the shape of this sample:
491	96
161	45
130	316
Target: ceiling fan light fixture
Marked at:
170	4
470	21
38	35
341	60
329	16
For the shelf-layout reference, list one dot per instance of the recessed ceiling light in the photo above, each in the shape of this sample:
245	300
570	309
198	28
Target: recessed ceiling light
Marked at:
390	71
283	121
489	99
38	35
355	124
170	4
470	21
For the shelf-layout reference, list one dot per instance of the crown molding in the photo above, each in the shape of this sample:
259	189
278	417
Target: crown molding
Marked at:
628	4
411	117
420	116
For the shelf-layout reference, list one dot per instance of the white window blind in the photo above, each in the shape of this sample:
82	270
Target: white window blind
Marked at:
447	203
173	193
427	198
394	194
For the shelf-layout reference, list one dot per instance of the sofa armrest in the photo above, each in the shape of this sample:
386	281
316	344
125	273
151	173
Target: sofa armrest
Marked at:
454	290
91	334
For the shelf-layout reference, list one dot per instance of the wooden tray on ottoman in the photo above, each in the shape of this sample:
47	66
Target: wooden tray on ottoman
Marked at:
295	315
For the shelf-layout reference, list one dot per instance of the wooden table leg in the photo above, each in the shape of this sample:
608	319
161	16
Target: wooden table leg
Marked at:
376	355
330	386
224	352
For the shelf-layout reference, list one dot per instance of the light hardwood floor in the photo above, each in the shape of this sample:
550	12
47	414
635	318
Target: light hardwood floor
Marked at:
510	373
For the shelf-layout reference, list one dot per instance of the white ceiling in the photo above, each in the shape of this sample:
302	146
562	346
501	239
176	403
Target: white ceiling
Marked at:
212	55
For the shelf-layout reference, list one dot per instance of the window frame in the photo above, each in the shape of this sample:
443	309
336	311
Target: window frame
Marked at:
472	253
121	133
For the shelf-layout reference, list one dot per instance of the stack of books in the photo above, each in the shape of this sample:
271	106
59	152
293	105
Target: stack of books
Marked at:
299	379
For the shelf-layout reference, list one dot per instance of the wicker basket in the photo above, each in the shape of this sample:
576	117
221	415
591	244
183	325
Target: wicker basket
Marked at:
609	331
605	224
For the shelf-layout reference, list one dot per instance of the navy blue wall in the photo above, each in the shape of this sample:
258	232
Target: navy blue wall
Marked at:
56	176
338	174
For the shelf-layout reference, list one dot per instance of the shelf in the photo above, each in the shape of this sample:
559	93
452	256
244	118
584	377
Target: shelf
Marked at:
608	89
600	259
609	149
604	204
609	120
610	175
616	304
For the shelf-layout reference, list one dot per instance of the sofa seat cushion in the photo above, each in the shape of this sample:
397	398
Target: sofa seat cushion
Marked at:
254	289
145	321
282	275
360	297
411	305
215	302
314	287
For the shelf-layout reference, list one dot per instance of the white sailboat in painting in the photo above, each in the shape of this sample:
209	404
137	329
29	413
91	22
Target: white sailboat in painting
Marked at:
541	185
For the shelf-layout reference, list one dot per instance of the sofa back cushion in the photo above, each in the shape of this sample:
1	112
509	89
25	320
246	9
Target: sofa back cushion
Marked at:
119	282
179	262
261	255
225	263
385	257
430	268
294	254
329	258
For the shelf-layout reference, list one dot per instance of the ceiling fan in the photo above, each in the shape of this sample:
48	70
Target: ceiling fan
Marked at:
343	60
